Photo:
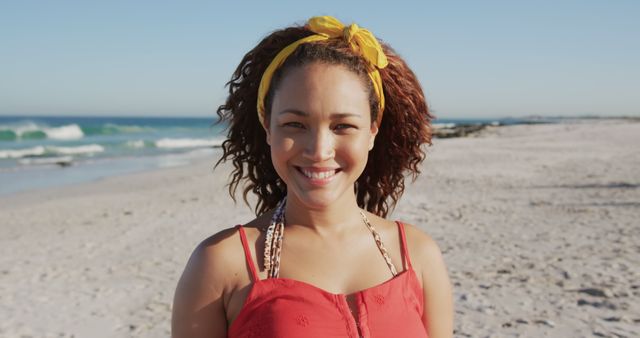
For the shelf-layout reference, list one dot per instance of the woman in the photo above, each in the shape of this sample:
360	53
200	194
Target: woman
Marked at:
324	122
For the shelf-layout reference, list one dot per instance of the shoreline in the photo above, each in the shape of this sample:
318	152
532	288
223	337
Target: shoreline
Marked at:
537	224
70	173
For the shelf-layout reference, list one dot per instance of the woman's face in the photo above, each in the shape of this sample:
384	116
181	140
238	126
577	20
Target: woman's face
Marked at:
320	133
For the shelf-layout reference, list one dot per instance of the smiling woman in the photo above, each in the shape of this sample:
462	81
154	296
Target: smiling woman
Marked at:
318	153
324	141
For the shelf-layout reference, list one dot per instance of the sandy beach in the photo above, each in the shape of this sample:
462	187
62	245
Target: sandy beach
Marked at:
539	226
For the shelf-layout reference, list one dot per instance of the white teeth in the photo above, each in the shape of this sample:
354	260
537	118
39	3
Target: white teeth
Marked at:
318	175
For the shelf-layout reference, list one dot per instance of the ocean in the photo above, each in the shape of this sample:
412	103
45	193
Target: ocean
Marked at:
47	151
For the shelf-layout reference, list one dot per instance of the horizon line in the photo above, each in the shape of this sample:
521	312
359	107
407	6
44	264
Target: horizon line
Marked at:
215	116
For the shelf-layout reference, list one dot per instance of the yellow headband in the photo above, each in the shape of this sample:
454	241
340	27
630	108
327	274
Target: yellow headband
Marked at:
327	27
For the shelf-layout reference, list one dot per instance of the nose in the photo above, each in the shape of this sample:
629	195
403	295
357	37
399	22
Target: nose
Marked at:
319	146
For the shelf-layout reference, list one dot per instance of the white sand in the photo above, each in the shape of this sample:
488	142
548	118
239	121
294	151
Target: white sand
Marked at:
539	226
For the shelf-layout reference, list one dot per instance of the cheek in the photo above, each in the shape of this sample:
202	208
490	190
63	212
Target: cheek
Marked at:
358	151
281	148
285	143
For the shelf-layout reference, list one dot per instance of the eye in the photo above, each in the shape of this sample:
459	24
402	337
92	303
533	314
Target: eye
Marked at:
293	124
344	126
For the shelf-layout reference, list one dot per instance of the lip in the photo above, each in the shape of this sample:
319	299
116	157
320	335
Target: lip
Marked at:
317	181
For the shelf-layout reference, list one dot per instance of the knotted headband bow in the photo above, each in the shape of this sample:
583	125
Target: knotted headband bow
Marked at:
360	40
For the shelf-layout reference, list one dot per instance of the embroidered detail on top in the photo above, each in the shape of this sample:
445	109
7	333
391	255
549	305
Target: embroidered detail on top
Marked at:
379	299
302	320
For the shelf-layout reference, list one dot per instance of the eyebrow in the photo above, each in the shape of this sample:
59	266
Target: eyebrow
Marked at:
304	114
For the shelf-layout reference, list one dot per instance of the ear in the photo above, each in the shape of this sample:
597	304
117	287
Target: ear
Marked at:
372	137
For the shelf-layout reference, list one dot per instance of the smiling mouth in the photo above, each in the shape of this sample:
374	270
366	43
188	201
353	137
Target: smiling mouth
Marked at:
318	175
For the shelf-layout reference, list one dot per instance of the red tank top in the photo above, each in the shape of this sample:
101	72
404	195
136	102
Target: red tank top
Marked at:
283	307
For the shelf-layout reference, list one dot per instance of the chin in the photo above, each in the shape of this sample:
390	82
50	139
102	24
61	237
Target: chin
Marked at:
316	201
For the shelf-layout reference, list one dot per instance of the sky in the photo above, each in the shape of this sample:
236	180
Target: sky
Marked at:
172	58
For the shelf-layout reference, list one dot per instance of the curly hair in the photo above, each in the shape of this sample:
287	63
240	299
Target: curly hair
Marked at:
404	128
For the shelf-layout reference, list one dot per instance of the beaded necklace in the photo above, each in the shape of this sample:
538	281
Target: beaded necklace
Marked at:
275	234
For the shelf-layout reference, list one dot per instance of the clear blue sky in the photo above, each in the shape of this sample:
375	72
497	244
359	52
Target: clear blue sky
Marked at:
474	58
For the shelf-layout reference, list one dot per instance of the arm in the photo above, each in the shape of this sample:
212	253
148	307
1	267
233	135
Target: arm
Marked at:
438	298
198	305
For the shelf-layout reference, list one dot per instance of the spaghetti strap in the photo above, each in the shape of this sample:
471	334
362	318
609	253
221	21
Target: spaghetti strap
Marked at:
247	253
405	249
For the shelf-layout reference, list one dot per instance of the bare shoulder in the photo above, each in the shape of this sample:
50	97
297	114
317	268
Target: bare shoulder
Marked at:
423	249
214	255
430	266
426	257
210	275
424	252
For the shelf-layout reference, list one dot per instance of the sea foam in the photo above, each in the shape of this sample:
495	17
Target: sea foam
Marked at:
19	153
135	144
68	132
85	149
38	151
32	130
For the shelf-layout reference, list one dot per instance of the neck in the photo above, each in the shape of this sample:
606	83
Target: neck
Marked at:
333	220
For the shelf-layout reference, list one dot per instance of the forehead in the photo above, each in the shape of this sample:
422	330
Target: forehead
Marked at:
319	88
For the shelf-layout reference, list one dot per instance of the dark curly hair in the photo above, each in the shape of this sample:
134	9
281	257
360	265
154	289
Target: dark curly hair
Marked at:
404	128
